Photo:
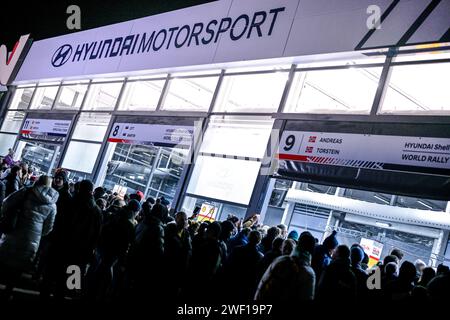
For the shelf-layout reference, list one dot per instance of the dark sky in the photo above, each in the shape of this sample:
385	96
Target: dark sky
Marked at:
44	19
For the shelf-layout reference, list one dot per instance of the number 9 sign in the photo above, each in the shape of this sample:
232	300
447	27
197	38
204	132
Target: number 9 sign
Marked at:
289	142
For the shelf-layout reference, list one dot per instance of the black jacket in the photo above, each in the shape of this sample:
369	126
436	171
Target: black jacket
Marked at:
12	184
81	230
116	237
338	282
147	251
36	211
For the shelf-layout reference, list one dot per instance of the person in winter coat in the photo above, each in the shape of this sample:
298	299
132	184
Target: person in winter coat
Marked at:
48	252
113	245
322	254
145	260
178	251
270	256
9	158
266	242
12	180
207	261
338	282
240	239
400	289
438	287
356	257
35	210
241	269
227	231
80	234
290	278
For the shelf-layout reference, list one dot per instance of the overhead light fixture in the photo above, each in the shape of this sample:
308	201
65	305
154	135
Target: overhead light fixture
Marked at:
424	204
383	224
381	199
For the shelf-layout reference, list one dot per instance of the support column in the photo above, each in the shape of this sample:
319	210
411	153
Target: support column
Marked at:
438	248
267	199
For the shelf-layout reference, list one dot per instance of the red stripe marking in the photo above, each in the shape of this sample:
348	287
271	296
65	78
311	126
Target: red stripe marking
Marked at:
116	140
26	131
295	157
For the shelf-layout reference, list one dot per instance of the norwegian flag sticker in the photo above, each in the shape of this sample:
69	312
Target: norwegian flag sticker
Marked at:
309	149
312	139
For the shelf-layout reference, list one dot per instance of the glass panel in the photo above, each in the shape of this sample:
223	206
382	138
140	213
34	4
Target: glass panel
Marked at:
78	176
190	94
13	121
432	55
81	156
340	59
71	97
279	192
91	126
368	196
153	170
197	73
224	179
39	156
320	188
102	96
6	142
240	69
44	97
418	89
22	98
421	204
251	93
141	95
334	91
243	136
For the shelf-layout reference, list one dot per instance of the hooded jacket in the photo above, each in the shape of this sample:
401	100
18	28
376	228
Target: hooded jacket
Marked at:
36	208
289	278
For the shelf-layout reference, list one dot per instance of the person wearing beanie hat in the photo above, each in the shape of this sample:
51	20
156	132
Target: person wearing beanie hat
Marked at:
331	242
134	206
60	178
293	235
116	236
140	195
164	202
338	282
356	257
322	254
99	192
290	278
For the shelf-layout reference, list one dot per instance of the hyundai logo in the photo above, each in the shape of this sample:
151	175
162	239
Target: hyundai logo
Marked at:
61	55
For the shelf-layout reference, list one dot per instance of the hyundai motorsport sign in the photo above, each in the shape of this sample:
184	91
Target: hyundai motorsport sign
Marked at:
231	30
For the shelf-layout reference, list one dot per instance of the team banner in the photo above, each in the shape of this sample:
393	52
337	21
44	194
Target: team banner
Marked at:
363	151
53	130
235	30
152	134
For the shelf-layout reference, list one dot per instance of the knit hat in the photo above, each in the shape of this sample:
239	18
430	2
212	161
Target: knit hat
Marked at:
134	205
356	254
140	194
331	242
306	242
62	173
164	201
293	235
